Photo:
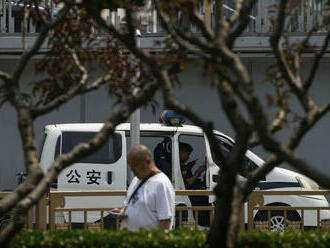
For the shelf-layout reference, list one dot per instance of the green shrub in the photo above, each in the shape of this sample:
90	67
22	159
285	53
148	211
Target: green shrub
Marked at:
156	238
112	239
310	239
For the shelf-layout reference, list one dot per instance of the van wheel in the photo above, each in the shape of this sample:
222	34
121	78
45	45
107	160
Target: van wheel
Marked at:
277	220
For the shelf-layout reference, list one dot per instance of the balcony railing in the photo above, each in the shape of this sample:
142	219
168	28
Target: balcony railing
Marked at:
308	14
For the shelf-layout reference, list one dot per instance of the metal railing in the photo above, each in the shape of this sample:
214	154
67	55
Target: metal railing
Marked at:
29	223
44	215
281	214
301	20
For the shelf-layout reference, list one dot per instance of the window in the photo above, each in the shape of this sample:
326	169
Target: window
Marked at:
109	153
192	155
197	144
42	145
246	167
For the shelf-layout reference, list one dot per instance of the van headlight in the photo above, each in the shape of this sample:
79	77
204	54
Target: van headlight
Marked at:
307	183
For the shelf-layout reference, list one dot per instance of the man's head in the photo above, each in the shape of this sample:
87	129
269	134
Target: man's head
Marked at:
140	161
184	150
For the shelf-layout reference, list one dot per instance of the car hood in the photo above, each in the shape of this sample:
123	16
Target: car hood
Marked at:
283	175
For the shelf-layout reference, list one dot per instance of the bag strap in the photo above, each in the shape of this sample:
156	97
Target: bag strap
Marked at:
141	183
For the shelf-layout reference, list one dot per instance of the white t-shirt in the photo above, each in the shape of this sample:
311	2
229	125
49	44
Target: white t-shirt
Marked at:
154	201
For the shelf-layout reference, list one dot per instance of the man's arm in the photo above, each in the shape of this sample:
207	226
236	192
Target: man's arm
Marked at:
165	224
120	210
191	180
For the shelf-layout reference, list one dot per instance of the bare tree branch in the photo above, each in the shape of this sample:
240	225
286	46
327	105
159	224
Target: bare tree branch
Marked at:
25	58
171	103
5	76
183	38
200	23
275	126
316	62
77	90
83	70
243	17
293	82
219	19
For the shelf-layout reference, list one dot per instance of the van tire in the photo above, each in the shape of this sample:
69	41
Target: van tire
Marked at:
277	221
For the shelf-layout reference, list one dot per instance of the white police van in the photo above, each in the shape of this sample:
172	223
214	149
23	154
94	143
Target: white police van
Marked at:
107	168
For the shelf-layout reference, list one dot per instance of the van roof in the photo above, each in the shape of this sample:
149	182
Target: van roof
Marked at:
95	127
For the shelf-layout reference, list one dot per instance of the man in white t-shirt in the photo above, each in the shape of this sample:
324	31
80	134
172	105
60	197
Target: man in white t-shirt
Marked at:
150	198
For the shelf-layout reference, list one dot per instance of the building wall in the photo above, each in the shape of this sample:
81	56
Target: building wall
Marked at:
194	91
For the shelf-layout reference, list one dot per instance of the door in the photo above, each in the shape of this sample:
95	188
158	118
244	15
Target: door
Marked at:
192	159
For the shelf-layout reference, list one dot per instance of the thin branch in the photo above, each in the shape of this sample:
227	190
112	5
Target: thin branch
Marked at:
305	125
5	76
316	62
183	38
76	60
258	174
36	46
24	23
171	102
294	83
305	41
77	90
275	42
142	54
37	10
237	13
303	167
59	17
130	19
219	18
242	15
240	125
275	126
200	23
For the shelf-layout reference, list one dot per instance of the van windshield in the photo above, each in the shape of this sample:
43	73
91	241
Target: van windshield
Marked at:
109	153
245	168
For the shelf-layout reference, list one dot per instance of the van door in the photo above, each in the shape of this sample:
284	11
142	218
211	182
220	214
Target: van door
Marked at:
212	171
106	169
193	163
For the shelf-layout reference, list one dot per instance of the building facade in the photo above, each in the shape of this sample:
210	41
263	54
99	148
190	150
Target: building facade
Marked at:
253	47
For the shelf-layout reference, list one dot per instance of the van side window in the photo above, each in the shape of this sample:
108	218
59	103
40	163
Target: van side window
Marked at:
109	153
246	167
192	156
57	147
42	145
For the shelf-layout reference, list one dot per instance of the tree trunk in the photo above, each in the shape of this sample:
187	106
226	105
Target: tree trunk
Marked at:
235	218
217	236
